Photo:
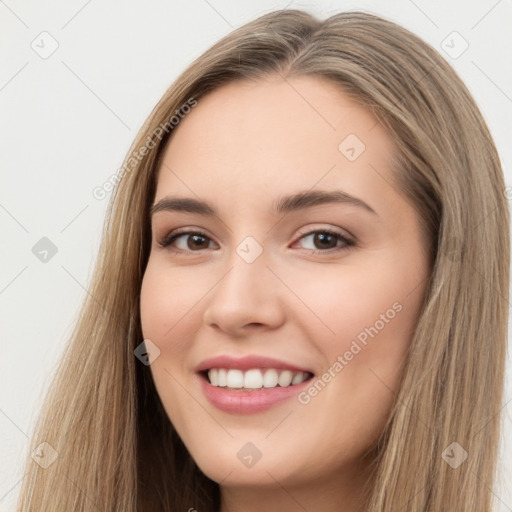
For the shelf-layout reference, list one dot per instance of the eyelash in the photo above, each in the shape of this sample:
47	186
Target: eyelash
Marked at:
170	238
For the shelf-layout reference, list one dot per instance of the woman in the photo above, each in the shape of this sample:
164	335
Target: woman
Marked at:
279	371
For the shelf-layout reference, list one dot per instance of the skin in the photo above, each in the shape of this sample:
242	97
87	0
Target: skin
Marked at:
243	146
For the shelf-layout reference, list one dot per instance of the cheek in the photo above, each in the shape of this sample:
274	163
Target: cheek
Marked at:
369	315
376	299
167	309
171	316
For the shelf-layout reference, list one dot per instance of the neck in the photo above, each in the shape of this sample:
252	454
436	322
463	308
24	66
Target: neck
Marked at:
344	493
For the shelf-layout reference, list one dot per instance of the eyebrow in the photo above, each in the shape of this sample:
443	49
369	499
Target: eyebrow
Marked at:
283	205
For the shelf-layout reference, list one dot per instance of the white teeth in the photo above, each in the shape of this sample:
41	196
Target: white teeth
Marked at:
213	375
222	377
285	379
270	379
255	378
299	377
235	379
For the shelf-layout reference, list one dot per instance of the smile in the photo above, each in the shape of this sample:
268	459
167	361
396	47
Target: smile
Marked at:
250	384
255	378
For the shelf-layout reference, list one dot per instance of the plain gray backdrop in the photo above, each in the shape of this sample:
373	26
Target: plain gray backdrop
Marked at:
78	80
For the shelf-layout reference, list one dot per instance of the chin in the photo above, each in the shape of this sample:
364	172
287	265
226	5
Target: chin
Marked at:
241	463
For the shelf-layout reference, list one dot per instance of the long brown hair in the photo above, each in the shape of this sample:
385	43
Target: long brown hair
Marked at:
117	449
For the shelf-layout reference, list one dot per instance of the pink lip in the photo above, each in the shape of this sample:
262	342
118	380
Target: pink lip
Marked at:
248	362
247	402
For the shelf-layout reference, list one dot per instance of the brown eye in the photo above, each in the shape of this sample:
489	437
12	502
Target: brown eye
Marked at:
195	241
326	240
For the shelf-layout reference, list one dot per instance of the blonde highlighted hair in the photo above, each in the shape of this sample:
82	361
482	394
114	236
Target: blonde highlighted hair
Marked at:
117	449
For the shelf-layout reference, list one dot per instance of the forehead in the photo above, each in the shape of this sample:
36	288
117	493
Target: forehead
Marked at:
258	139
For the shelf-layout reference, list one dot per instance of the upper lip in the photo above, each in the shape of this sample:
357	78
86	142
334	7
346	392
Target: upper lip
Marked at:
247	363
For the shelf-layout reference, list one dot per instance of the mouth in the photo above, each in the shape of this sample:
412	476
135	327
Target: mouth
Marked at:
254	379
250	384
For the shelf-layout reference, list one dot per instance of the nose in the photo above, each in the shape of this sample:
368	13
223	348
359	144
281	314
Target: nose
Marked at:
249	296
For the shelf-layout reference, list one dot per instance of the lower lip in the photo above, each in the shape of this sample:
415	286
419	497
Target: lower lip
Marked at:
247	402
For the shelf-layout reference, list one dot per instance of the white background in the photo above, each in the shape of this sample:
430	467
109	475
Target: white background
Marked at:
67	122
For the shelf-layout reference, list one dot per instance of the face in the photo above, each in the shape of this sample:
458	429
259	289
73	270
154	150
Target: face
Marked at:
284	305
